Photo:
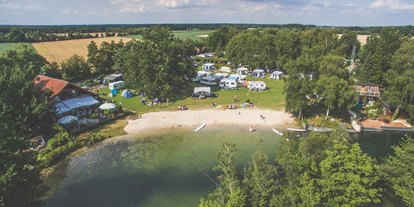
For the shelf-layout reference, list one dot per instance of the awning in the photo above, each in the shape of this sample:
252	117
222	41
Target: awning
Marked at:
80	102
61	108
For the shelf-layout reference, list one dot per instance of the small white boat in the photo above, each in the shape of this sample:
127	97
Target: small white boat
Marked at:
277	132
296	130
200	127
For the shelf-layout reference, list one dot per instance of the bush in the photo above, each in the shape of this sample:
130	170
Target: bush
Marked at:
94	116
89	83
52	143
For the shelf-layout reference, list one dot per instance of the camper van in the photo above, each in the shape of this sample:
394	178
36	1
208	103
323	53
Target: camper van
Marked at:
259	73
209	66
256	85
201	74
276	75
116	85
242	71
208	81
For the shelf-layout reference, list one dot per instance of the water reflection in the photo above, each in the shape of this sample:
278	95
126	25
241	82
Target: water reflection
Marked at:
162	168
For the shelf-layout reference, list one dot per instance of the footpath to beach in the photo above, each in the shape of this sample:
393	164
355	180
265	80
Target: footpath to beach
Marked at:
164	120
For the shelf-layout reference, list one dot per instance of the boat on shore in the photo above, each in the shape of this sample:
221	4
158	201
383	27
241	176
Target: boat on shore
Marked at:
277	132
200	127
296	130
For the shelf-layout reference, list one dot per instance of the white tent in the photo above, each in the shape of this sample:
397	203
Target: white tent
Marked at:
205	91
276	75
107	106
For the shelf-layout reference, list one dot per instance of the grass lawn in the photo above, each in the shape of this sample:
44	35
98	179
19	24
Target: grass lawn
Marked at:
183	34
269	99
8	46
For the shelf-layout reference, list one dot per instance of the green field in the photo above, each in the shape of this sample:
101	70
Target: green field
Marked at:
272	98
8	46
183	34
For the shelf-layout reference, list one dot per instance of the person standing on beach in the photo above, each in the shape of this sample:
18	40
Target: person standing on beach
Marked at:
235	98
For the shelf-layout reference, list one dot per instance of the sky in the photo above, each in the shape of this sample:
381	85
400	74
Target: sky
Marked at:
323	13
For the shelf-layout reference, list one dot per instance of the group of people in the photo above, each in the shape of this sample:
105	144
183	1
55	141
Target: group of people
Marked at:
182	108
232	106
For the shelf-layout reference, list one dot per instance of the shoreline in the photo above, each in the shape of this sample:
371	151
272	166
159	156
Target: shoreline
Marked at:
216	117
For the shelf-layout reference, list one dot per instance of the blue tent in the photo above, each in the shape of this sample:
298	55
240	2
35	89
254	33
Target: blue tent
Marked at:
127	94
114	91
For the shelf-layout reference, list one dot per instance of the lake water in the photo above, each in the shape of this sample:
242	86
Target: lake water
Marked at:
163	168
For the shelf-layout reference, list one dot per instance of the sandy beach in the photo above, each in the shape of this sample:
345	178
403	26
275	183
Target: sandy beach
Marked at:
189	118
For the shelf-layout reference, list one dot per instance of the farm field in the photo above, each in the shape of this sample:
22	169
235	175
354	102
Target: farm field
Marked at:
362	38
8	46
183	34
62	50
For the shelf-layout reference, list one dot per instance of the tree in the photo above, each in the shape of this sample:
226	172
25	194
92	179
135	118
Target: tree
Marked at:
53	70
219	38
75	68
335	93
228	190
398	170
93	54
333	65
347	177
260	179
400	79
157	64
347	41
25	111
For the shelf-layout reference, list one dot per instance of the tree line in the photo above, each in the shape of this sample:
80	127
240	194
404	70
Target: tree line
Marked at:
41	33
319	169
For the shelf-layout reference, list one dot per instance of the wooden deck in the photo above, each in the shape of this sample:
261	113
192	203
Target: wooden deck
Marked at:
371	125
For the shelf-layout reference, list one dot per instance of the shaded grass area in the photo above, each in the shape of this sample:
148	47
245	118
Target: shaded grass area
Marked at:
272	98
182	34
9	46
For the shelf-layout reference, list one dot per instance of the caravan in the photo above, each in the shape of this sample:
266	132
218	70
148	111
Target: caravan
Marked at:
209	66
228	84
258	73
208	81
116	85
256	85
242	71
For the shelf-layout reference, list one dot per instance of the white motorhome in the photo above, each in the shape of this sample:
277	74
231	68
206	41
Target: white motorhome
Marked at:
208	81
242	71
209	66
277	75
258	73
116	85
201	74
256	85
